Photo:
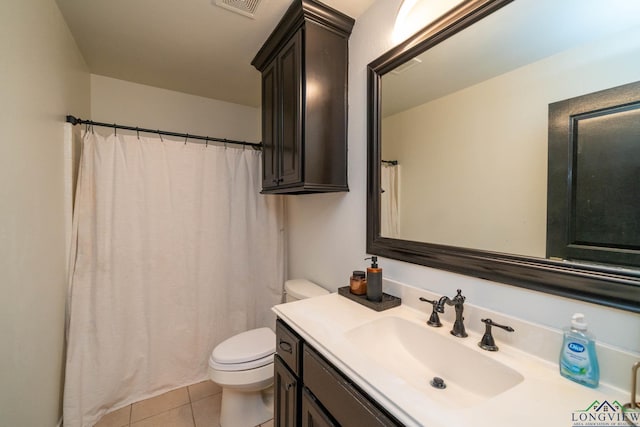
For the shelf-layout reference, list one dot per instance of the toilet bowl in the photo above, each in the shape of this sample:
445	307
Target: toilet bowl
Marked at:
243	366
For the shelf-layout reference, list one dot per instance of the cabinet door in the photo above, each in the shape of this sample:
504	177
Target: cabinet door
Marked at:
312	414
349	406
270	126
286	395
290	87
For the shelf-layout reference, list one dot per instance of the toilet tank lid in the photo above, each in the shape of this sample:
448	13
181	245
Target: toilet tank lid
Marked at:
303	288
246	346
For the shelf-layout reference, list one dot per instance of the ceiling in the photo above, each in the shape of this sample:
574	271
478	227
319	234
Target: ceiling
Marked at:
511	37
190	46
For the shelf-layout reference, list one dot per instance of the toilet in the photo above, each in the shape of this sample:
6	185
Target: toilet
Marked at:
243	366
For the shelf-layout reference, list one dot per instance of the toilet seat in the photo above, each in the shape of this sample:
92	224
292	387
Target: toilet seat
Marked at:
241	366
248	350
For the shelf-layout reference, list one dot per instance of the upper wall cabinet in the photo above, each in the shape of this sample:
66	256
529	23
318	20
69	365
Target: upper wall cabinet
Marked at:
304	66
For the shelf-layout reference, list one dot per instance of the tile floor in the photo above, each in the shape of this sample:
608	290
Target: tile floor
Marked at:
197	405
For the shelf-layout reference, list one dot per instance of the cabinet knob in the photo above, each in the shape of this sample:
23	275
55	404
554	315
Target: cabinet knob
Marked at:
289	386
285	346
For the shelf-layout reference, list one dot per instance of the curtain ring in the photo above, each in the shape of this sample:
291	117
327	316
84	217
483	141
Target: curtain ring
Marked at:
225	143
160	135
138	133
206	142
185	139
92	128
115	130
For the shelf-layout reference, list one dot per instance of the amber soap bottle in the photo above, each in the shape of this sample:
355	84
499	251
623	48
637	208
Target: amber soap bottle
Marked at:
374	281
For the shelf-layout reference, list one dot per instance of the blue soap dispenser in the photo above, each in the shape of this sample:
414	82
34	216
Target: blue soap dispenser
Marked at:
578	359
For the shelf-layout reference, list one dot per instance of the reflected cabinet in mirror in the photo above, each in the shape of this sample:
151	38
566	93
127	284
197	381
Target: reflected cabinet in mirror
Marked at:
504	143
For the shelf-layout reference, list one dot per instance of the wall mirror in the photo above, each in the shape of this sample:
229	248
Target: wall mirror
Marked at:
458	129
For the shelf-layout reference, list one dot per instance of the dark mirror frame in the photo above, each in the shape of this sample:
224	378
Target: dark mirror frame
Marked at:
605	285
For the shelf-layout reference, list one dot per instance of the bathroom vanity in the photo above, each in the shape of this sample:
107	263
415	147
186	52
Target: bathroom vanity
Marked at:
340	363
310	391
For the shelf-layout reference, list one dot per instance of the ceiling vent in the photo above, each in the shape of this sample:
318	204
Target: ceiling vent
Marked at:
243	7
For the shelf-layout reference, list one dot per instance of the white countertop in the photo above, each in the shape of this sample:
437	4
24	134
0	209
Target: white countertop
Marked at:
543	398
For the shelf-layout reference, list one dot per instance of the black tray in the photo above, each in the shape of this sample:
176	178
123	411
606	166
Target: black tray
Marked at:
388	301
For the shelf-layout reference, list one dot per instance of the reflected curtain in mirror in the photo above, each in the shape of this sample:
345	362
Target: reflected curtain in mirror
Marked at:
389	176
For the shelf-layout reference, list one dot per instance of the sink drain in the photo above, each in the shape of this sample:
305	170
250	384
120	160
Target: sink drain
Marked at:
437	382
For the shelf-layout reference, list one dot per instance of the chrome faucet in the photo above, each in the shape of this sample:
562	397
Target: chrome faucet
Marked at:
458	302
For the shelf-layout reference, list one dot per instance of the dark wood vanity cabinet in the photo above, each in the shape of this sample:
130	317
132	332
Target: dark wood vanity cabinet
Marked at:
287	392
287	382
312	413
304	65
311	392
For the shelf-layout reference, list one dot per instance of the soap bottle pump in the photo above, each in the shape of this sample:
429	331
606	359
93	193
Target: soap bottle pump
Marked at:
374	280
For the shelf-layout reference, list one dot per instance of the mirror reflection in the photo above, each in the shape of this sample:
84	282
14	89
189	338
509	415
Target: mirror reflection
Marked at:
464	126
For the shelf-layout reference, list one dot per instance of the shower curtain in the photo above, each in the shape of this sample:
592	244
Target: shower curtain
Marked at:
389	178
174	250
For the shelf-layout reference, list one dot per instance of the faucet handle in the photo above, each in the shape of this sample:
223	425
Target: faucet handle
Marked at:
487	342
434	319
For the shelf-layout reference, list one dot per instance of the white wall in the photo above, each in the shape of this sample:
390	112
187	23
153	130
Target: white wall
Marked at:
327	232
42	78
133	104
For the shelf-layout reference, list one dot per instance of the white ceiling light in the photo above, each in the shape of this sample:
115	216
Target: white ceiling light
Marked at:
243	7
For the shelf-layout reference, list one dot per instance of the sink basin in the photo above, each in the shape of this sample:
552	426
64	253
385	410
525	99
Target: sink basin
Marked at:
416	354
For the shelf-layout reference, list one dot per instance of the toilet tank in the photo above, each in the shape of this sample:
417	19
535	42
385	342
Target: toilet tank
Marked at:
297	289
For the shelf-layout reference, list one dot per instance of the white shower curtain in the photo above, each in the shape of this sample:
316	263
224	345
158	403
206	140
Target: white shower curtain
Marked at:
174	250
389	178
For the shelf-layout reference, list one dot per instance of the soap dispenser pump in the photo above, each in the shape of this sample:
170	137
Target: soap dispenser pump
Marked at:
374	280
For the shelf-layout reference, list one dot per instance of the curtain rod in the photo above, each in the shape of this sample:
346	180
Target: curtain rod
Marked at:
390	162
76	121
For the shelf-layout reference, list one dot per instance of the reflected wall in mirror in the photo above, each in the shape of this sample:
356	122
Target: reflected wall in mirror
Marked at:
463	108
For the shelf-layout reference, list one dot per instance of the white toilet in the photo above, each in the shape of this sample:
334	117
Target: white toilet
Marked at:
243	366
